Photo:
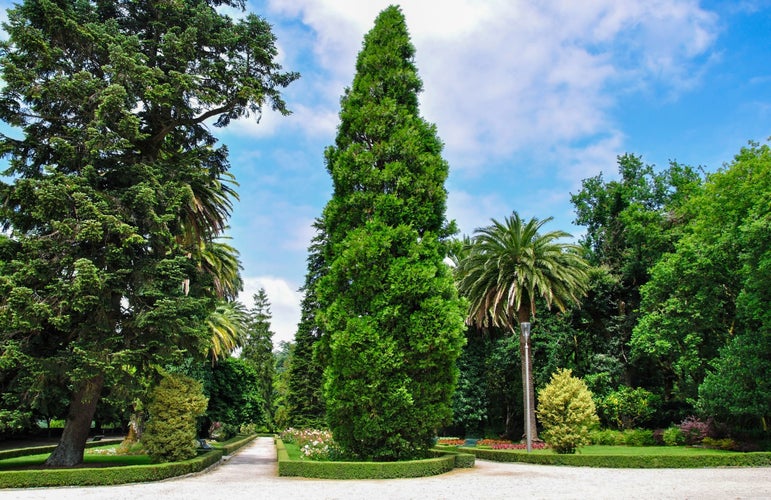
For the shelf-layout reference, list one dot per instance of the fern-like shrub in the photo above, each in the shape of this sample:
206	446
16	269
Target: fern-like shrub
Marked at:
170	432
567	412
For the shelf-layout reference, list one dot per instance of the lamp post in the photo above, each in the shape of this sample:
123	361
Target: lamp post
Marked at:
525	326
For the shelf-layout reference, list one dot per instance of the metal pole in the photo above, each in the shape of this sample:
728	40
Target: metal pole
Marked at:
528	431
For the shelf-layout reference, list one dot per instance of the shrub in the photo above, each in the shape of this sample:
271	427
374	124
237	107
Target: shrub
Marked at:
694	430
639	437
673	436
607	437
628	408
170	432
727	444
566	411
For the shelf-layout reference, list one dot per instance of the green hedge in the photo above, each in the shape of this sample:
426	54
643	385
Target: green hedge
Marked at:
113	475
444	462
760	459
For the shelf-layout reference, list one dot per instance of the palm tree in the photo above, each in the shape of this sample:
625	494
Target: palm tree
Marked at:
228	325
506	267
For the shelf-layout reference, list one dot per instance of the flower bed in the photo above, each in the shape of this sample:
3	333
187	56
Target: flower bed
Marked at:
502	444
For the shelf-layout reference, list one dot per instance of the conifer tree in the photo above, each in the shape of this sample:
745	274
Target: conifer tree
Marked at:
119	191
392	320
304	396
258	350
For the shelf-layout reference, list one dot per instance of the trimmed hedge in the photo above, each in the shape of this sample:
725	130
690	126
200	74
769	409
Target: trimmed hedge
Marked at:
444	462
101	476
757	459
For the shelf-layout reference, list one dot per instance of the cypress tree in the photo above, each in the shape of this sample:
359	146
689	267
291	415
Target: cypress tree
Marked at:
304	396
392	319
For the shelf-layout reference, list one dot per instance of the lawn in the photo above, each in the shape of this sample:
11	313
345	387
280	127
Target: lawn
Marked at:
629	451
99	455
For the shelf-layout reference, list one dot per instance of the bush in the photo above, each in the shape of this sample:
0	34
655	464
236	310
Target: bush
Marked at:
694	430
443	461
566	411
607	437
628	408
673	436
170	432
639	437
726	444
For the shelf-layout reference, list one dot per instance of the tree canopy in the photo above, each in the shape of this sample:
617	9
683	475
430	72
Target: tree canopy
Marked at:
392	321
118	188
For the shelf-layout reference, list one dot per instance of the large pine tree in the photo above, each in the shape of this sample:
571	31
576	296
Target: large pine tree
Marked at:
392	319
119	190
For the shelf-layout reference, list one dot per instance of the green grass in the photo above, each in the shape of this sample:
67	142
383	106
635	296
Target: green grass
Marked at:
648	451
631	451
90	457
640	457
293	451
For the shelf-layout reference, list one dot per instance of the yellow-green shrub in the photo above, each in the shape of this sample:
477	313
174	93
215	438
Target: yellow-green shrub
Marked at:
170	432
567	412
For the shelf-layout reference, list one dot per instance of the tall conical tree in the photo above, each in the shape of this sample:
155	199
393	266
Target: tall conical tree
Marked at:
258	349
392	319
304	395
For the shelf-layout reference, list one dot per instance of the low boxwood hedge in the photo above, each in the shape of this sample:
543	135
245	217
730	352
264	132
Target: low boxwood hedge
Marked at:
757	459
87	476
445	461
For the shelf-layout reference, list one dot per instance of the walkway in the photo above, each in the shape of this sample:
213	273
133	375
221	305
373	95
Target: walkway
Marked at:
251	474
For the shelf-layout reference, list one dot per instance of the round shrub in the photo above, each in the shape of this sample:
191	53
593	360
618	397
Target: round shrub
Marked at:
627	408
567	412
673	436
170	432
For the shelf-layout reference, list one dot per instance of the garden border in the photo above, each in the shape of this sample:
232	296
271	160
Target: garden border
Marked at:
445	462
737	459
90	476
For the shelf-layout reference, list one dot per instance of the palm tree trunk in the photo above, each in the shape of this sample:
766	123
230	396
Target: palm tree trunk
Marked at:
70	450
528	391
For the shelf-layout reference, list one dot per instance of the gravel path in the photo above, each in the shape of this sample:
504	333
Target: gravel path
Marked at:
252	474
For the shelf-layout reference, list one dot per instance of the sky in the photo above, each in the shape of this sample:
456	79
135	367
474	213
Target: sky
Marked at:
529	97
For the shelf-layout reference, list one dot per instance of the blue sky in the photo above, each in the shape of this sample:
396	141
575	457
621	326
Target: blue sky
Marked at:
529	97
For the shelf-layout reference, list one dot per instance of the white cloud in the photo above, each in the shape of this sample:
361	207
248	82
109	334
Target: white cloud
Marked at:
284	304
505	76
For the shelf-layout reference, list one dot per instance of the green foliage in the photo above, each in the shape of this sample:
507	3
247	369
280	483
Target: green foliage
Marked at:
727	444
114	475
445	462
234	396
305	400
170	432
630	223
469	403
627	408
507	268
607	437
639	437
258	352
392	321
673	436
118	192
567	412
708	291
695	459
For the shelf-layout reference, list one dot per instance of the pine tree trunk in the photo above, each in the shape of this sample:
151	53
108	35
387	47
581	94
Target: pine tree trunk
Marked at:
70	450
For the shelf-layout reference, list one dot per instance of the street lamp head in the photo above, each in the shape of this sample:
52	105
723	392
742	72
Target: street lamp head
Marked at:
525	326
